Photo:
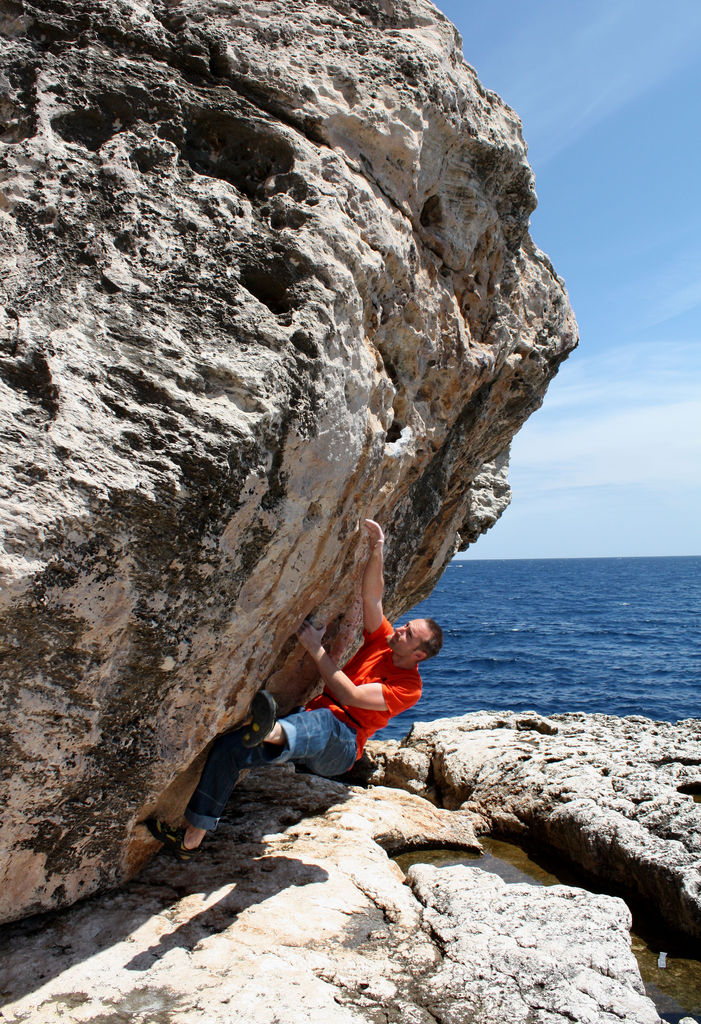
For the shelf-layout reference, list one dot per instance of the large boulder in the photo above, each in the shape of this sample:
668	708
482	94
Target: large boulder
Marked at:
265	270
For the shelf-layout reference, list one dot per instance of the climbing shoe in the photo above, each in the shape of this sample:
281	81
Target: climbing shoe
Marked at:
263	718
172	838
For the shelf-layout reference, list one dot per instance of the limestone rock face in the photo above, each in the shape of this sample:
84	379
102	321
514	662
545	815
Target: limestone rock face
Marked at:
294	913
613	795
264	270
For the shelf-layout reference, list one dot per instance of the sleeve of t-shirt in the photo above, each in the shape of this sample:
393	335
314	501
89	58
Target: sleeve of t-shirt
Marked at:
384	629
400	695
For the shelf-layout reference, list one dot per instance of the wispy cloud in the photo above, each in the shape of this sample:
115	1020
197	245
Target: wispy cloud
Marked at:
677	293
659	443
600	57
636	290
664	372
612	462
632	417
611	465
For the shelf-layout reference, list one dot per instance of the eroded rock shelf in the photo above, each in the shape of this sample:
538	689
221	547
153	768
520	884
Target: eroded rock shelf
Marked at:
296	912
612	795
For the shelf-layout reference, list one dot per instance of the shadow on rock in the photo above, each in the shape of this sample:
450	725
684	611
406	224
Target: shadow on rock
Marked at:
174	904
259	878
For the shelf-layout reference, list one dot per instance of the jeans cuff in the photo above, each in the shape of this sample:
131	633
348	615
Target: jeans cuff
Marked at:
290	731
201	820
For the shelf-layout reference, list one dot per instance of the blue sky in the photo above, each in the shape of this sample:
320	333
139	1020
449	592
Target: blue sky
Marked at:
609	94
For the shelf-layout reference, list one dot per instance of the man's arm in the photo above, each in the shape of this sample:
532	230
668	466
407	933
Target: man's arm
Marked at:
373	578
369	695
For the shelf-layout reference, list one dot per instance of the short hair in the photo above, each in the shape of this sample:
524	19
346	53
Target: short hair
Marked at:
432	646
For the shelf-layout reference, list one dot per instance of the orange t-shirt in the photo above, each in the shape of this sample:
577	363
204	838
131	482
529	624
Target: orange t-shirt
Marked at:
401	687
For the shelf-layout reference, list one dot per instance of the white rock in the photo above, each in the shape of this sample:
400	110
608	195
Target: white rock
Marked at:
294	912
611	794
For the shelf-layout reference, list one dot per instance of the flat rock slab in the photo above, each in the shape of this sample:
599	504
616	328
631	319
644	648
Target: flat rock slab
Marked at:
294	912
519	953
615	796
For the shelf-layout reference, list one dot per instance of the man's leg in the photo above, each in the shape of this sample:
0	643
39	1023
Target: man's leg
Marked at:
320	742
221	771
316	739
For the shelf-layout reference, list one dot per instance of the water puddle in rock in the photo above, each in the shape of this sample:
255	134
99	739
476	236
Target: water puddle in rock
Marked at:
675	989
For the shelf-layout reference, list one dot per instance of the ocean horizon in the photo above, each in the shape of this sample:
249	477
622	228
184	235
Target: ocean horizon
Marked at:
562	558
614	635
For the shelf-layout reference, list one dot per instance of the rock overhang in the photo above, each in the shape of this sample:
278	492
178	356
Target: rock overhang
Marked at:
266	271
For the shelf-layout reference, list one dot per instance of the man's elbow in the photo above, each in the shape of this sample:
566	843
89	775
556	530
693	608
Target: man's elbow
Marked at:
369	701
370	705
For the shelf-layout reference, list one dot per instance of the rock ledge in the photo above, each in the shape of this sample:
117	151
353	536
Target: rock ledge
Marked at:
295	913
615	796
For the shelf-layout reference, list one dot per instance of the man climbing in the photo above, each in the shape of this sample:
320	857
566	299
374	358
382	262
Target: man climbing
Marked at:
329	734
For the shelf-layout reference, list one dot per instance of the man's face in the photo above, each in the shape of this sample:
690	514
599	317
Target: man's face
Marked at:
406	640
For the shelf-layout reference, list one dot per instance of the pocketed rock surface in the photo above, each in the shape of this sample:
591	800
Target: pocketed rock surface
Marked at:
265	270
615	796
294	913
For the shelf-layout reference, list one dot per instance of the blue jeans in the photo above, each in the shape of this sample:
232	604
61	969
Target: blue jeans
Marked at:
315	739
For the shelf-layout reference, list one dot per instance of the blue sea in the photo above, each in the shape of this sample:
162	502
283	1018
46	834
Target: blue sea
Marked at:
613	635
